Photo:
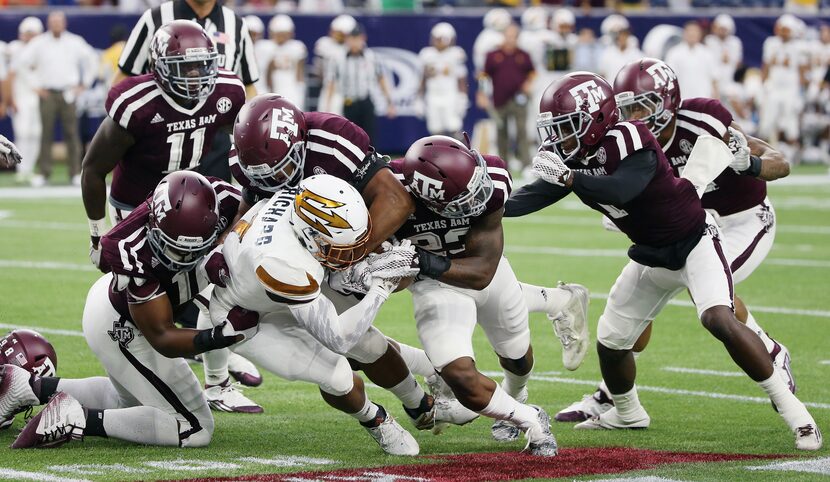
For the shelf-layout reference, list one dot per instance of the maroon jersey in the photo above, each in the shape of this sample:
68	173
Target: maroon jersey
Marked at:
137	275
443	236
668	209
335	146
730	192
168	137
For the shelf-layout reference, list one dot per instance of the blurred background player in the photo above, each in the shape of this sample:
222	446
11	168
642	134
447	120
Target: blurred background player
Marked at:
620	46
444	82
688	59
489	39
536	39
20	99
327	50
727	51
261	48
285	71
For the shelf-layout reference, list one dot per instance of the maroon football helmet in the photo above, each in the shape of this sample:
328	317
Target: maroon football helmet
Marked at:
647	90
184	60
449	177
575	112
270	138
30	350
184	220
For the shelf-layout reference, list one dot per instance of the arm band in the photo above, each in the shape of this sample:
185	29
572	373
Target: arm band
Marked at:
432	265
97	227
754	168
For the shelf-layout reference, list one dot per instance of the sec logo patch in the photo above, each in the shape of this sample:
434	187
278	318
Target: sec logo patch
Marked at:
602	156
223	105
686	146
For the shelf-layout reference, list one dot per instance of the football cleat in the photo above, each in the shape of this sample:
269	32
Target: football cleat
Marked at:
571	326
228	397
61	421
781	360
449	411
590	406
808	437
438	387
16	394
540	440
4	424
243	371
392	438
505	431
611	420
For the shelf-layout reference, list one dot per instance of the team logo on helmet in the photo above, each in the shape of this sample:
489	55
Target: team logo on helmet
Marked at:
663	76
283	124
223	105
311	209
427	187
686	146
588	95
161	201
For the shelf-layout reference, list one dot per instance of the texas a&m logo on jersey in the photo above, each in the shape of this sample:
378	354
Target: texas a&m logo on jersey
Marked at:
663	76
588	95
120	333
283	124
427	187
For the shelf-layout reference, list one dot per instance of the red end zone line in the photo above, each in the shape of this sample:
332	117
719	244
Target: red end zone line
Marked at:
510	466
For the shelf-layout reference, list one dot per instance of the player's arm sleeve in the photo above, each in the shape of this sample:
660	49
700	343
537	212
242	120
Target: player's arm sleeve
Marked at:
533	197
626	183
137	49
339	333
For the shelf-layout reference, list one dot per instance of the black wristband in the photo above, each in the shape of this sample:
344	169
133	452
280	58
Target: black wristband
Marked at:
212	339
754	168
432	265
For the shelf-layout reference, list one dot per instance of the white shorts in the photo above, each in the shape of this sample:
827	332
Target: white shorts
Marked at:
446	317
140	374
748	237
287	350
442	114
641	292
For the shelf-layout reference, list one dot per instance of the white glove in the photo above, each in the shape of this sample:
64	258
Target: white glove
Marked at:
396	262
740	150
354	279
609	225
95	255
9	155
550	168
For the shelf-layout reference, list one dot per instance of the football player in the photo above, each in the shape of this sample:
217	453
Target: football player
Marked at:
151	395
464	279
620	170
280	253
286	61
444	82
28	350
647	90
276	146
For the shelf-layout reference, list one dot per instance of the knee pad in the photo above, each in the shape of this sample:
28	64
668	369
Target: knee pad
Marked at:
615	336
341	380
516	347
203	437
371	346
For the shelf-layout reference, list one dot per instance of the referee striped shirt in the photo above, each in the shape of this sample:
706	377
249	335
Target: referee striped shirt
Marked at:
227	29
356	75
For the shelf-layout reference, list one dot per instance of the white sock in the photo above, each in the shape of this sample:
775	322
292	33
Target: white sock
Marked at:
214	362
143	425
367	413
753	325
504	407
94	392
409	392
627	403
416	360
514	384
544	300
789	406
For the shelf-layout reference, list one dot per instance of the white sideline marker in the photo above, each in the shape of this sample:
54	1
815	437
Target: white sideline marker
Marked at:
699	371
12	474
824	362
813	466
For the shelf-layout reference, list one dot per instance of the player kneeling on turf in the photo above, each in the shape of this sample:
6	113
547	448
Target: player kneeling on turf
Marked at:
151	395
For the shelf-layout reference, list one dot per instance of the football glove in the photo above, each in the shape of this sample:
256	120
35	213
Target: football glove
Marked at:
395	262
740	151
216	269
9	155
240	321
354	279
550	168
95	254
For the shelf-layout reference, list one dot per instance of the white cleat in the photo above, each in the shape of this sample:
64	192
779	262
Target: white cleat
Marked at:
16	394
243	371
540	440
590	406
611	420
571	326
781	361
392	438
505	431
450	412
61	420
228	397
438	387
808	437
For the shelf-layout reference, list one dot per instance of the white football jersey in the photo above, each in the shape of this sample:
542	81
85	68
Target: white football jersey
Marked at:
784	60
269	267
444	67
262	53
25	78
486	42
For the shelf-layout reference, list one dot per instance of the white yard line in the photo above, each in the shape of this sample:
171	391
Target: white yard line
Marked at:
13	263
699	371
51	192
825	362
42	329
12	474
812	466
48	225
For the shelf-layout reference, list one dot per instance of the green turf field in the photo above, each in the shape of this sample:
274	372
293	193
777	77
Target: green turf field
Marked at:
45	274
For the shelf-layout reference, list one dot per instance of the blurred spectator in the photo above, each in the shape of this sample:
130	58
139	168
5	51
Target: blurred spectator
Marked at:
262	48
726	49
286	61
539	42
510	70
357	74
326	51
815	122
587	51
64	65
109	57
784	72
318	7
444	83
693	63
495	21
20	100
620	50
